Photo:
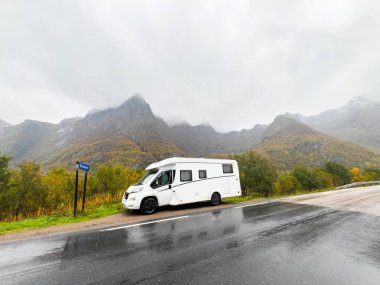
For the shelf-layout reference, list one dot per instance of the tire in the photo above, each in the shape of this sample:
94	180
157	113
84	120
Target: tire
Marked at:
148	206
215	199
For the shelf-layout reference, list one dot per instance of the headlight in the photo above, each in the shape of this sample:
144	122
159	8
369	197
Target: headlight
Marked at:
136	190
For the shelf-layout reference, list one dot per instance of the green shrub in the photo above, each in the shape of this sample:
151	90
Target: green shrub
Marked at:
372	174
340	173
287	184
257	173
309	178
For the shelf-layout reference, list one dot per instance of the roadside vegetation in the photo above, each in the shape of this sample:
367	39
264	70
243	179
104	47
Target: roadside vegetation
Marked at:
32	198
60	219
260	176
29	192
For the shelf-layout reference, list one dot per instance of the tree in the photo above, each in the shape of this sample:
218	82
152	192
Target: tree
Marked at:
111	180
257	173
356	175
310	179
339	172
372	174
287	184
5	173
27	193
59	190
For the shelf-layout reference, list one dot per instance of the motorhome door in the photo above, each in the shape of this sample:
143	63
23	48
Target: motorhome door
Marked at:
162	184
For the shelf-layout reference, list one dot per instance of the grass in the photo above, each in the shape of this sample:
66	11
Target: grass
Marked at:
47	221
235	200
107	210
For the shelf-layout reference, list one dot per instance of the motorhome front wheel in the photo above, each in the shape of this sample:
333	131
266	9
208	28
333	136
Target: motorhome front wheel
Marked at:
149	206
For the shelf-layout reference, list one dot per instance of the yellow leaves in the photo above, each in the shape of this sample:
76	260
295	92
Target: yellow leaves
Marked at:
60	185
286	184
356	175
113	179
34	193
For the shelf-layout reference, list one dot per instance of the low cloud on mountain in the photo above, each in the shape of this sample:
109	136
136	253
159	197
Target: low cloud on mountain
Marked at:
234	63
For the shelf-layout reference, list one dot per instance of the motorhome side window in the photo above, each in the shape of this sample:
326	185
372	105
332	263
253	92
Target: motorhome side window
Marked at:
202	174
162	179
227	168
186	175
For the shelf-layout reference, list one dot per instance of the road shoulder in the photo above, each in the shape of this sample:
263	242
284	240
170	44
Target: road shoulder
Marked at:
124	218
327	199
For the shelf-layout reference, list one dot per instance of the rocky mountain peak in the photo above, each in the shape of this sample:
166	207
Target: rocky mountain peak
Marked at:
283	125
298	117
360	101
135	102
136	107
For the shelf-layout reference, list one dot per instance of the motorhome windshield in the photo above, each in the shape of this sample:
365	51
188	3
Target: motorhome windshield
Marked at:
147	177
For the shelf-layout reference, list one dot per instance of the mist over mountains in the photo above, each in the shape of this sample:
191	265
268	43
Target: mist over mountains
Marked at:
133	135
357	121
3	124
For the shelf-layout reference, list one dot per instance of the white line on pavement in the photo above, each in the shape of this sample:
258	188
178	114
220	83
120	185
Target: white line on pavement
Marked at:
238	207
146	223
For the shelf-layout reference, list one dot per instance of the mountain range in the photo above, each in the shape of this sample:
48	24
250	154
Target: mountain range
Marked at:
133	135
357	121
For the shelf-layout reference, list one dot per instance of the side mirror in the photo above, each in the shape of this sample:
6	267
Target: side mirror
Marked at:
170	186
156	182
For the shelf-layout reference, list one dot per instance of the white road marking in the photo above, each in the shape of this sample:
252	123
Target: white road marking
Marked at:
250	205
146	223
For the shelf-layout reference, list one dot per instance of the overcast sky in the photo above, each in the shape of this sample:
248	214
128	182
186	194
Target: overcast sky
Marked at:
231	63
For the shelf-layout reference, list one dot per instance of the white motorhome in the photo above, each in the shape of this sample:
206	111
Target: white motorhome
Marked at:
177	180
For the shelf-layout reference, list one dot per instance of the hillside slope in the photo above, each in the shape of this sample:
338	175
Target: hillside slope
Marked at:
289	142
29	140
129	134
357	122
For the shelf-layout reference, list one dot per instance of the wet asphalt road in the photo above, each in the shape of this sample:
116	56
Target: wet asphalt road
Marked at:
275	243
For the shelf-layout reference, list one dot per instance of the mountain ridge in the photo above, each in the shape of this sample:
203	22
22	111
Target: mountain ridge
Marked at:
289	143
4	124
357	122
133	135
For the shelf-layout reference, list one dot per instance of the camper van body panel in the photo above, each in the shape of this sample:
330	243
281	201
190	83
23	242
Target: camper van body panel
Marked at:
177	181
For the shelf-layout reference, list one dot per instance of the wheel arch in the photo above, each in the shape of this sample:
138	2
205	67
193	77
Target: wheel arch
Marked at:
150	196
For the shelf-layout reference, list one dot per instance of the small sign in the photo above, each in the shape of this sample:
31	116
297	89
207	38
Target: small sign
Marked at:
83	166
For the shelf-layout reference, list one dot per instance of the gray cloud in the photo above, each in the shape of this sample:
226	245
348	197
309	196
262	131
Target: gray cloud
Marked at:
232	63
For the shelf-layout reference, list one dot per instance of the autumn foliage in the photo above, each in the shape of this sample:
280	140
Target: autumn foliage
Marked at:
260	176
27	191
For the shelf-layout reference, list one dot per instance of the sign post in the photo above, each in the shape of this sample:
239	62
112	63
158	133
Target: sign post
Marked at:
84	191
86	168
76	191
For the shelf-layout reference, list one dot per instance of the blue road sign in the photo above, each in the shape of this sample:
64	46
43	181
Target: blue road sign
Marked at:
83	166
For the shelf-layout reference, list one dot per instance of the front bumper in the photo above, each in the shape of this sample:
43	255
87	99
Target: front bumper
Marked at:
132	202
